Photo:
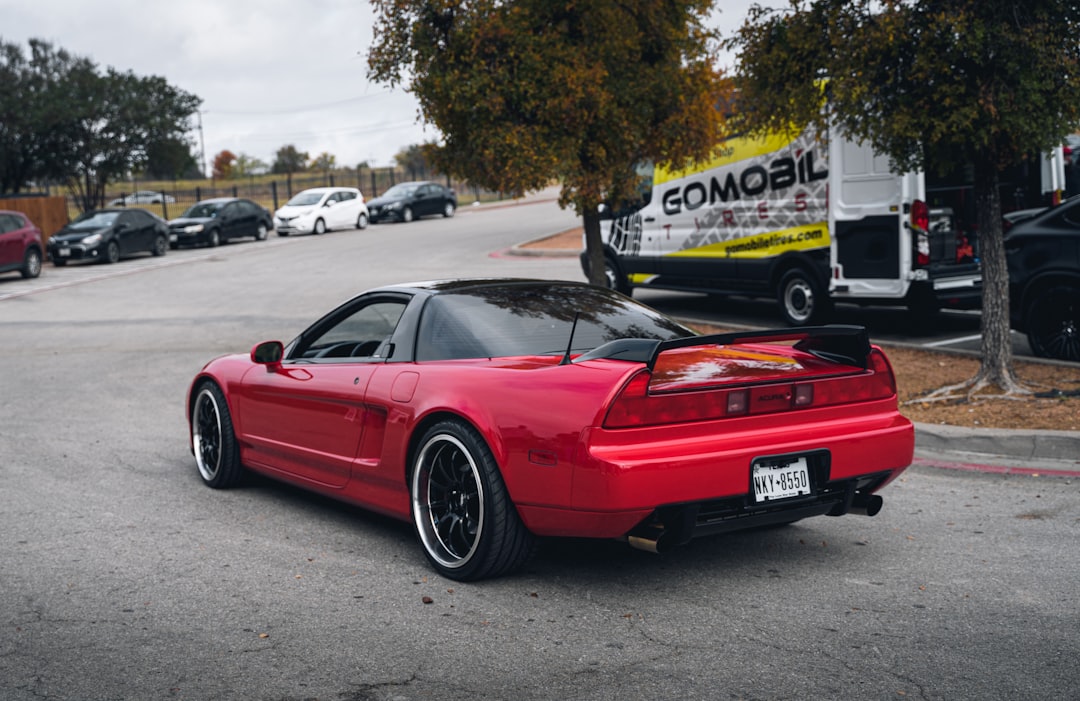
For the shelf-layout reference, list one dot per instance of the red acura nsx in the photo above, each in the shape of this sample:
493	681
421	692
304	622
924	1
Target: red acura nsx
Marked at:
493	412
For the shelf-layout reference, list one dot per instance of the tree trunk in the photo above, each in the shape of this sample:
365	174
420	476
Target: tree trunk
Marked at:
594	247
997	357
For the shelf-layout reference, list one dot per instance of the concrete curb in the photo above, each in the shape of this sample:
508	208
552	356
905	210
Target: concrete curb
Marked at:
1035	445
1037	451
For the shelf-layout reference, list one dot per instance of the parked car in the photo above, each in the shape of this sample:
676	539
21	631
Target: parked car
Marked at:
215	221
493	412
107	235
320	209
407	201
1043	257
21	246
142	197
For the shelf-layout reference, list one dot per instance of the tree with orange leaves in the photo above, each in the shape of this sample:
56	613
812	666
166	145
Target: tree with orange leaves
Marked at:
526	92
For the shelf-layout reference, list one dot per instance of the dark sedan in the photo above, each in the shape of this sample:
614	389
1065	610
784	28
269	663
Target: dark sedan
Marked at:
212	222
1043	255
107	235
405	202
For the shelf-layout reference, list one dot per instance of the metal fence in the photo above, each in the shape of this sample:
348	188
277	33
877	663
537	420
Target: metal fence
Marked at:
273	191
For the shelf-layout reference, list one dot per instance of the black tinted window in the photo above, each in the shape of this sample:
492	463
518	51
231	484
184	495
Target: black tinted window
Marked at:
501	321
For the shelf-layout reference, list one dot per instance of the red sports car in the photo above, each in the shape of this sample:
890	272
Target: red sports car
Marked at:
491	412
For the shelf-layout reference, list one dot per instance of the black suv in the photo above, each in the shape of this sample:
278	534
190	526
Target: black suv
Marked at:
1043	255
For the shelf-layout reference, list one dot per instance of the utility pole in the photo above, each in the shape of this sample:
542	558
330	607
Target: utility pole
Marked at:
202	144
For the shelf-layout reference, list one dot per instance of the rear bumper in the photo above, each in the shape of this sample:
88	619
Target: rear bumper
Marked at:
963	291
630	477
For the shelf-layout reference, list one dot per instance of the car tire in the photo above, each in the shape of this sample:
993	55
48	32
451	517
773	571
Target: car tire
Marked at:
614	277
1052	320
802	299
212	438
31	267
161	245
320	227
213	239
407	214
362	221
112	252
461	510
448	210
261	232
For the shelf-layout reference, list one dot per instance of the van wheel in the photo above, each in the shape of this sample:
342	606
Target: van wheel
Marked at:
614	277
802	299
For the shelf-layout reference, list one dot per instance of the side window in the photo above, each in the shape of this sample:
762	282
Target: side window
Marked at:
356	335
7	223
346	196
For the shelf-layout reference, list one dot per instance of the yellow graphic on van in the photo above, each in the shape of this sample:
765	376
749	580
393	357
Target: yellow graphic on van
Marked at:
730	151
772	243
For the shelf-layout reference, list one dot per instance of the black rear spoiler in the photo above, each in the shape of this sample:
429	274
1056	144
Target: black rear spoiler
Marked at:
840	343
845	344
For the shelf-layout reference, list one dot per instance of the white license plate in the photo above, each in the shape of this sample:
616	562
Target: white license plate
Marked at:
64	252
780	481
172	238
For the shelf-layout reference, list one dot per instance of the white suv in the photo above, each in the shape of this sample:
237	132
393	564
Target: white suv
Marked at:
320	209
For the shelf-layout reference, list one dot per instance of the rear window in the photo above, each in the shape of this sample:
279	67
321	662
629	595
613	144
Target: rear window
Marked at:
502	321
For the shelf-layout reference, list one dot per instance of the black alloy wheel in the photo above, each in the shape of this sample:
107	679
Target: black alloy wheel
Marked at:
216	453
461	510
1053	323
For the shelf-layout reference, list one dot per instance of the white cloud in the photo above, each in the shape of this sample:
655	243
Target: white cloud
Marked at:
269	72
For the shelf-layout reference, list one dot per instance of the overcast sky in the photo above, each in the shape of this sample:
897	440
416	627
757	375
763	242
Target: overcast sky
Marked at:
269	72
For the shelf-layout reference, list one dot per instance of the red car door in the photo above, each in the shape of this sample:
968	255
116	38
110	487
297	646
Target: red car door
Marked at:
305	420
305	417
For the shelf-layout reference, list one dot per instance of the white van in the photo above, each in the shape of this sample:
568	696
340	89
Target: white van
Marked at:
811	221
320	209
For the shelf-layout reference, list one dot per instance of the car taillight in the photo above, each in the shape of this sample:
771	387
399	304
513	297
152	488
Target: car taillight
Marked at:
920	225
636	407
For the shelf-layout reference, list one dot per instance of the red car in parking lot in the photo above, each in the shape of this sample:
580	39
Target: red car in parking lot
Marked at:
491	412
21	244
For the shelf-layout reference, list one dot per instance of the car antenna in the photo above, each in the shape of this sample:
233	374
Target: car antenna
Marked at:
570	343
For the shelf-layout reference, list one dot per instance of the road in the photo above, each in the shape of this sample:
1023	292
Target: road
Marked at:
122	577
947	330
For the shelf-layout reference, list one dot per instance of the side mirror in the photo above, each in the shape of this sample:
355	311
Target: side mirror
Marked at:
268	353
